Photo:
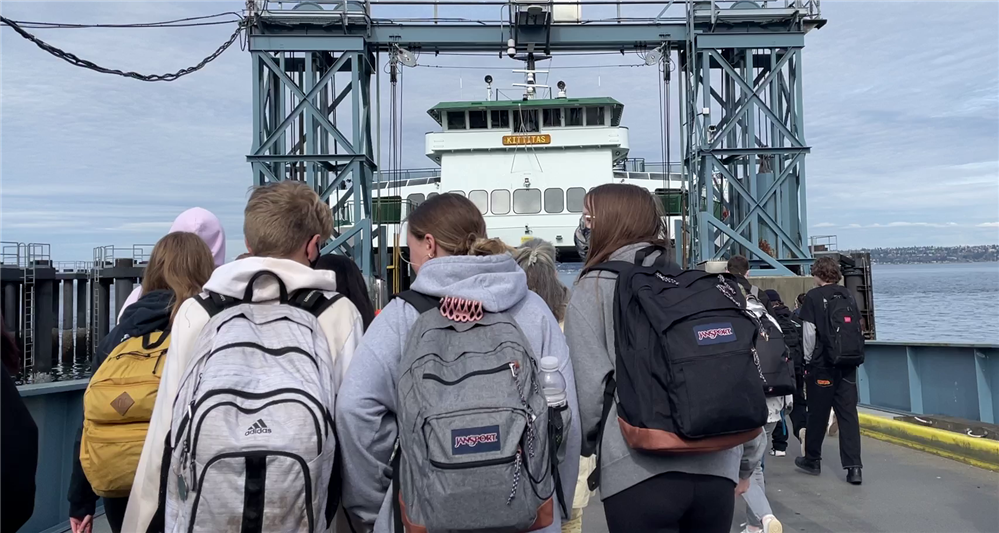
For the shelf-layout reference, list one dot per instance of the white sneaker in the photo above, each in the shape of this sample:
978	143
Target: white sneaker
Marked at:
772	525
801	437
778	453
833	424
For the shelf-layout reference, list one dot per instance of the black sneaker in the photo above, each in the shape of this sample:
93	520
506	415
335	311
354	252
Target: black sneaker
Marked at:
853	476
809	466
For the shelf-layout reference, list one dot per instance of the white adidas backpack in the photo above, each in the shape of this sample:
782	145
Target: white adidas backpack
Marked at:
252	444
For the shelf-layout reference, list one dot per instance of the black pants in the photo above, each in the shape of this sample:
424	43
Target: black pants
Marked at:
673	502
114	510
834	388
797	417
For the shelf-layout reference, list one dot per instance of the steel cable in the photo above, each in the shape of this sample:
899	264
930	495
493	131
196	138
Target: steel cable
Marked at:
83	63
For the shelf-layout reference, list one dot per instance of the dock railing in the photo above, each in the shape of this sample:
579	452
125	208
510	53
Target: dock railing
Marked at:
949	379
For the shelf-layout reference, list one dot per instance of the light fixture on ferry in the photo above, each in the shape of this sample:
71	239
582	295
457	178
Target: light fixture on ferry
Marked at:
561	89
489	88
405	56
654	57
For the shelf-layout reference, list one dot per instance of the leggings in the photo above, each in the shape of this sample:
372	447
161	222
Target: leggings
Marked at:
114	510
673	502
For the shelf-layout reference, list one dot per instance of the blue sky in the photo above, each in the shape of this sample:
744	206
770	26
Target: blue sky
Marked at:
901	109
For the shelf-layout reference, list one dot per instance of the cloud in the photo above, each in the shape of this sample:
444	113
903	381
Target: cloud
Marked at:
92	159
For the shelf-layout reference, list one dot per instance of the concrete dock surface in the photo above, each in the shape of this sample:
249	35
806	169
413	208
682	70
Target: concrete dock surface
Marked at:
904	491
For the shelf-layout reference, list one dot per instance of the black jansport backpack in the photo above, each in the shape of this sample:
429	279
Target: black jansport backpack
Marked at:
844	345
687	377
775	358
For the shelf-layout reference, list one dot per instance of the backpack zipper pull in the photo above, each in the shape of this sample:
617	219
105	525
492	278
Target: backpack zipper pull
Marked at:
513	369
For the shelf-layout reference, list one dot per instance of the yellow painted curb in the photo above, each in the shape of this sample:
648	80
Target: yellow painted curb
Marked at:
983	453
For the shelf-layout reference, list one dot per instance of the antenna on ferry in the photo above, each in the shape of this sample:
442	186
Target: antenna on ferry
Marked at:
489	88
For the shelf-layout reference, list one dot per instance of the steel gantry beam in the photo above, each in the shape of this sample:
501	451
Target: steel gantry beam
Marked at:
745	146
741	60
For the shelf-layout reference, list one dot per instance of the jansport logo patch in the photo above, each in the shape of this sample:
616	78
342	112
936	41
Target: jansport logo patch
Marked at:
719	333
475	440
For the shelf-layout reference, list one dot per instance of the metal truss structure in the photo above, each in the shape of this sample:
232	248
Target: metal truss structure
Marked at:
312	100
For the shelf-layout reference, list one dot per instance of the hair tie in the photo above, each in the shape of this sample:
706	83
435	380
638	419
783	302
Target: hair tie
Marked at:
533	258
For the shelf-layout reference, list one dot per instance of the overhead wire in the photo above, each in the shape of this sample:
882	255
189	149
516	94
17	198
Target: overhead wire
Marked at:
175	23
83	63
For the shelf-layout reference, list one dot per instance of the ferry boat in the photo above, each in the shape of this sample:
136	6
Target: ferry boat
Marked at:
527	164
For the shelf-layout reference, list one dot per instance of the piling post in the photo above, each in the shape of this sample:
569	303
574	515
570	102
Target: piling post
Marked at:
122	286
68	334
11	306
82	324
104	303
46	320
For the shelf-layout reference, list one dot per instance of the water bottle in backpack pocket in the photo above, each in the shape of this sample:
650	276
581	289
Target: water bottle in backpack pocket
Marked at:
473	427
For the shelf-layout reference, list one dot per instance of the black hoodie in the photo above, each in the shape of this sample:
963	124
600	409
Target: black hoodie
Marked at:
150	313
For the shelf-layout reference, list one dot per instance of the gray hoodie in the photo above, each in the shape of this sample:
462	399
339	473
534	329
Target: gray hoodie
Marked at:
589	329
365	408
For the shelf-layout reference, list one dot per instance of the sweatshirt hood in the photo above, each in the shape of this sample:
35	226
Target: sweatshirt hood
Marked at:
206	225
149	313
231	279
495	280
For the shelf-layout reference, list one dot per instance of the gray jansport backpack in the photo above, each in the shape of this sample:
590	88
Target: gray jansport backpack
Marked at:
473	427
252	444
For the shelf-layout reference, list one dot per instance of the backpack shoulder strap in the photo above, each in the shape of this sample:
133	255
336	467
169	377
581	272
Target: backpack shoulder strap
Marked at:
214	303
312	300
617	267
421	302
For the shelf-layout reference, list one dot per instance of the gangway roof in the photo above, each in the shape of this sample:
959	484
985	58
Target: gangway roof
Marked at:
617	108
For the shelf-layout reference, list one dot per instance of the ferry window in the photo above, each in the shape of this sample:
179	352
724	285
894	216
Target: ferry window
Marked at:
552	117
594	116
459	193
574	198
525	120
431	195
415	199
500	198
455	120
500	119
477	120
527	201
574	116
554	200
480	199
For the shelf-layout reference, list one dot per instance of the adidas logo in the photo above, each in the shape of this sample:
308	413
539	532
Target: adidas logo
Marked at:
257	428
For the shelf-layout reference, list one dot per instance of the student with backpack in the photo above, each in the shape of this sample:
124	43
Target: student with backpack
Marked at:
537	258
663	463
200	222
833	349
242	436
445	418
791	328
18	441
127	366
350	283
738	266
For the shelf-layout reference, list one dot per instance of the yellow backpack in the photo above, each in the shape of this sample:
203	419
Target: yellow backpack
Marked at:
116	411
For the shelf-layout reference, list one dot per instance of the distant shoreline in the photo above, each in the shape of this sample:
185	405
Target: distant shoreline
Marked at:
956	262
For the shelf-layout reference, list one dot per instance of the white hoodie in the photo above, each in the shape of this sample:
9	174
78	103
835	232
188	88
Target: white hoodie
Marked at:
341	323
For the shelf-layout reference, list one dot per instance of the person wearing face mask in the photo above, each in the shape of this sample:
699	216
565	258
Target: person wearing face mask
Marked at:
455	262
284	225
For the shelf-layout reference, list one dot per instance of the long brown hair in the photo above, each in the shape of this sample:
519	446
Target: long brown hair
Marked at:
537	258
182	263
622	214
456	224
